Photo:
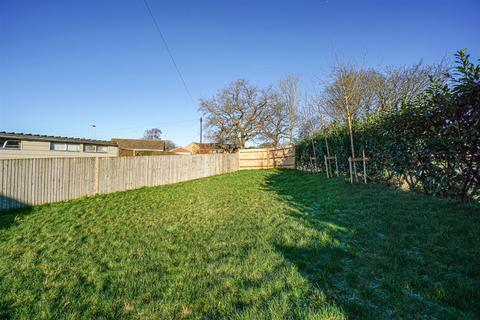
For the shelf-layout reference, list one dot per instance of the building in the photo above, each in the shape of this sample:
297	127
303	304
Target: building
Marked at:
206	148
21	145
181	151
140	147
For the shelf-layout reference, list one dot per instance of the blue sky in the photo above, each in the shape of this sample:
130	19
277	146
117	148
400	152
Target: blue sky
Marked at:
65	65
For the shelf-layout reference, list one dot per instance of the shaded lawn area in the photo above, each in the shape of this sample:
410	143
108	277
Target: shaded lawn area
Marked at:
248	245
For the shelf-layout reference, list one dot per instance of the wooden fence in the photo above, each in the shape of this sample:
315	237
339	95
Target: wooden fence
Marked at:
25	182
266	158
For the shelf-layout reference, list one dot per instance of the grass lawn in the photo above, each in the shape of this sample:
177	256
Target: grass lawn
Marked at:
248	245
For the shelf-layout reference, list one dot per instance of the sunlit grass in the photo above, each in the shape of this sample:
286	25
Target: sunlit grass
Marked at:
248	245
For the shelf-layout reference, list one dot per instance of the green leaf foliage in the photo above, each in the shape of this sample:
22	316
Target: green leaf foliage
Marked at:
431	144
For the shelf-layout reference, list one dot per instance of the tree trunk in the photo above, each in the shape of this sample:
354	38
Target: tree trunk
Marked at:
324	134
314	165
326	144
241	143
351	145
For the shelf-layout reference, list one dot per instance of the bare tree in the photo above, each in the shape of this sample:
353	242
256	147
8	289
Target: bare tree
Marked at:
277	126
310	124
349	96
237	113
346	95
308	119
355	93
368	98
289	89
316	105
152	134
397	85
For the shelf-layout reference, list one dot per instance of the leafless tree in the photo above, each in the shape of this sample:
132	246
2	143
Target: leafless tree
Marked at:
289	90
152	134
347	95
242	112
397	85
311	122
278	125
237	113
308	119
355	92
316	106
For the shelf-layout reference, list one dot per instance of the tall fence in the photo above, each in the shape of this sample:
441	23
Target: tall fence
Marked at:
26	182
266	158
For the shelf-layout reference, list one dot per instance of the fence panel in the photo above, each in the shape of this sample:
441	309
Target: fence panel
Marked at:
26	182
266	158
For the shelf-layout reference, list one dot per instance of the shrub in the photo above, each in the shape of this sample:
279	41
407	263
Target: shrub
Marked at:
432	142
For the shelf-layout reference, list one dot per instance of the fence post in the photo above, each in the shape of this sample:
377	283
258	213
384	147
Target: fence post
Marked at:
326	166
364	167
350	165
336	164
97	174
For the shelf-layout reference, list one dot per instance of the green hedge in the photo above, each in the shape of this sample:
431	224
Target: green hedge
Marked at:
432	143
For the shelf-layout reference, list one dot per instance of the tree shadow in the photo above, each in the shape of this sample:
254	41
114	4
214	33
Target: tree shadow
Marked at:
379	252
17	210
6	310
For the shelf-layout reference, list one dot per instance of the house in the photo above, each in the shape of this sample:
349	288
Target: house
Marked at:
181	151
205	148
140	147
22	145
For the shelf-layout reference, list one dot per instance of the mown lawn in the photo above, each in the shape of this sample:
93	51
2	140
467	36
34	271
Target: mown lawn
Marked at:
248	245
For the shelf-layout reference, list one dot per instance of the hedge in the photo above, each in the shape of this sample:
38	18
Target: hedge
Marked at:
431	144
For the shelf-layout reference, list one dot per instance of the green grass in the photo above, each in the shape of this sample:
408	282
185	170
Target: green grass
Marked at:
248	245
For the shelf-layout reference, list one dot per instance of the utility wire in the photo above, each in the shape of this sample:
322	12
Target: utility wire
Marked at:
169	52
158	124
125	129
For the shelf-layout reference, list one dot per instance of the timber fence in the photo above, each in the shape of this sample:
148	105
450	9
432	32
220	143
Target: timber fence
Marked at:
266	158
27	182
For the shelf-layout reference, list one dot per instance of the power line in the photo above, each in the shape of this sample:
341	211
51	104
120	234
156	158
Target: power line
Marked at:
158	124
169	52
132	128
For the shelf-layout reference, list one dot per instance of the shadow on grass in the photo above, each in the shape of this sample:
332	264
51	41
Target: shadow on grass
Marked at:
378	252
10	216
6	311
